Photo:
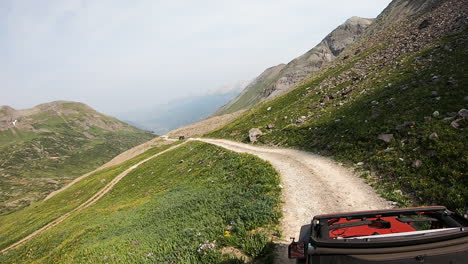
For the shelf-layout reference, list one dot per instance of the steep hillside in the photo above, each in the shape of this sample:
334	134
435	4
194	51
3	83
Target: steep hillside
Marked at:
195	204
394	105
280	79
45	147
254	92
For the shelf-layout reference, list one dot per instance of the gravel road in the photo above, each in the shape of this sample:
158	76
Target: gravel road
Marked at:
312	185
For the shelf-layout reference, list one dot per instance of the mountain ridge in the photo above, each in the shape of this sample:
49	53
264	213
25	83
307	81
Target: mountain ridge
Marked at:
394	102
280	79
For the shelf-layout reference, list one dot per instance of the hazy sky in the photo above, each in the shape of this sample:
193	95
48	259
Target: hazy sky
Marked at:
118	55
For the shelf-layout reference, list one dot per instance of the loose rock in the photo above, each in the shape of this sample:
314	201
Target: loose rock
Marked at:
416	164
301	120
386	137
433	136
463	113
254	133
455	123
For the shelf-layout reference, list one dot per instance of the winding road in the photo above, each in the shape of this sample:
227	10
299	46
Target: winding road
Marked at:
311	185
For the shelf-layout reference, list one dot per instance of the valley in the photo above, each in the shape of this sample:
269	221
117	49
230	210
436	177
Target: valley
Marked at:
373	117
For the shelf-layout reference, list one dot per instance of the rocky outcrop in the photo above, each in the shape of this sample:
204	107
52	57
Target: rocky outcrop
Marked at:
282	78
326	51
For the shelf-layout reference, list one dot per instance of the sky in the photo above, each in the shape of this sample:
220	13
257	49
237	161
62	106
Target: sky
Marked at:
122	55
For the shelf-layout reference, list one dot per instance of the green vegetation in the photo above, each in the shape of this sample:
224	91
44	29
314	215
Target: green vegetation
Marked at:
19	224
48	149
399	99
254	93
171	209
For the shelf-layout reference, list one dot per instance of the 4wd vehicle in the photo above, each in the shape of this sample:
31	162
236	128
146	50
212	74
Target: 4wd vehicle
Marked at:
396	236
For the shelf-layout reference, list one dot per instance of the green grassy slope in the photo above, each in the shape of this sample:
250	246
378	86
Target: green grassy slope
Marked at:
55	144
165	210
254	92
19	224
428	169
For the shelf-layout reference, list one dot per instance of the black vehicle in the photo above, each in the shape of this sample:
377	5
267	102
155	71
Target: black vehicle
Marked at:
395	236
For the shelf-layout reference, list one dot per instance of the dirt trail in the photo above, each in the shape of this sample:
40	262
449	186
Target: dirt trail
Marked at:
312	185
86	204
122	157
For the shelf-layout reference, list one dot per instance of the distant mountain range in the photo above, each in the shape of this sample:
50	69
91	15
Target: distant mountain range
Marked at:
164	118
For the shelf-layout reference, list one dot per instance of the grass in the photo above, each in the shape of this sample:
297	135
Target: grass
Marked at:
19	224
58	148
171	209
252	96
384	100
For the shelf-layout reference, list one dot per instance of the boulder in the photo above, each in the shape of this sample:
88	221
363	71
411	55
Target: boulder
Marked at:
435	114
463	113
254	133
270	126
416	164
433	136
456	124
301	120
386	137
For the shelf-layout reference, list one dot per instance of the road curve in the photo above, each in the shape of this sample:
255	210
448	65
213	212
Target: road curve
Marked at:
312	185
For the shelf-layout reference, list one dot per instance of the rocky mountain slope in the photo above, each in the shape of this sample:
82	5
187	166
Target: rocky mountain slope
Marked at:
280	79
45	147
394	105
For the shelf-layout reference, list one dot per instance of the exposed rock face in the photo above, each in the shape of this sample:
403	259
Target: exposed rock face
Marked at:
282	78
327	50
